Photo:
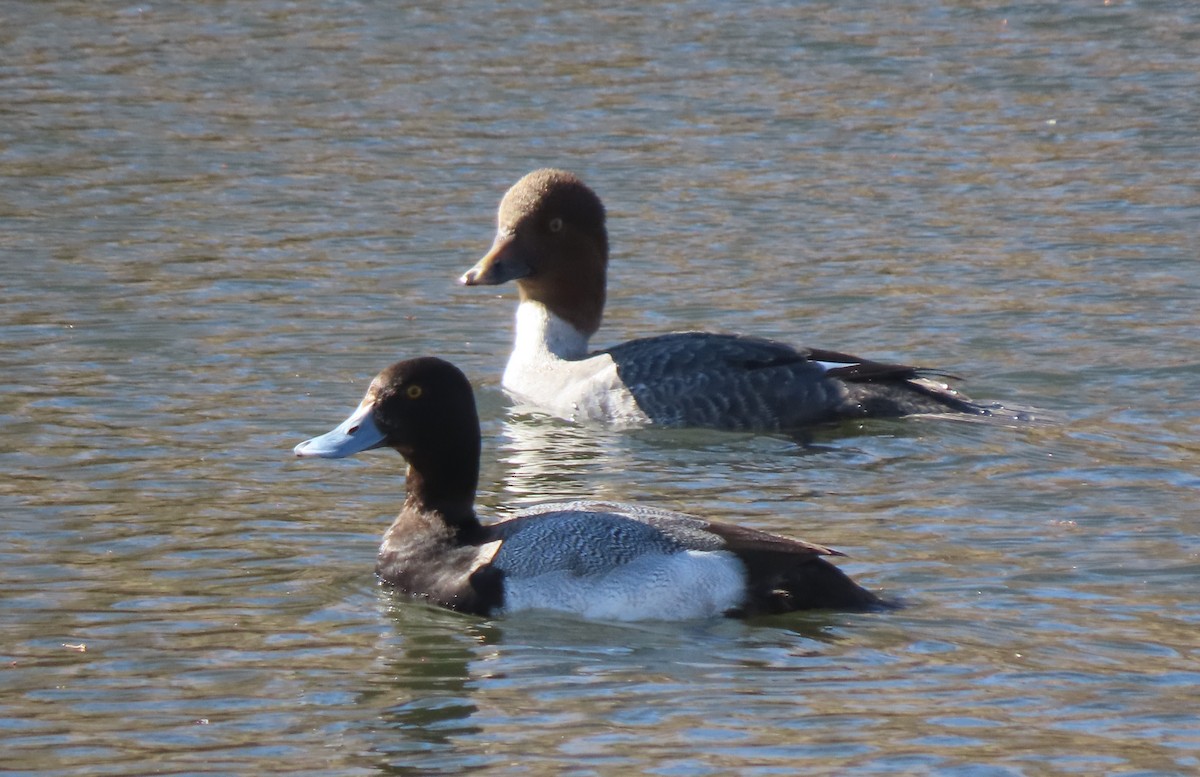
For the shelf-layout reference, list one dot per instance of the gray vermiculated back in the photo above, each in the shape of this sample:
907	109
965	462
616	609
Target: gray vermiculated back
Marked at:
585	537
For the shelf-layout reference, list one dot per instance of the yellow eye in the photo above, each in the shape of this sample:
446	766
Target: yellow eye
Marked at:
555	225
413	391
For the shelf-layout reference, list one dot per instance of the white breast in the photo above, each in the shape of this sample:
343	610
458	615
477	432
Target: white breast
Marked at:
675	586
548	370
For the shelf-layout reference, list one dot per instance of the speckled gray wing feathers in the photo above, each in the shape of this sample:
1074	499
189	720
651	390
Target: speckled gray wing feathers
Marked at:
738	382
587	537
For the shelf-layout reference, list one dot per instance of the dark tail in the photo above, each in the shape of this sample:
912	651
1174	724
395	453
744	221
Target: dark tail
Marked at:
815	584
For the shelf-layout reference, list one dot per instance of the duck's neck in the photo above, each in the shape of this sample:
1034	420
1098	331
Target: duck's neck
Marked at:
562	306
445	488
541	334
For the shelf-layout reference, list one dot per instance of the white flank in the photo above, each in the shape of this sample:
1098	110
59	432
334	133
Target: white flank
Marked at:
679	586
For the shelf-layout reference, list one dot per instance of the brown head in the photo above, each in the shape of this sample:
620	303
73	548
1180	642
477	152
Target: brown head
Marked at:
551	240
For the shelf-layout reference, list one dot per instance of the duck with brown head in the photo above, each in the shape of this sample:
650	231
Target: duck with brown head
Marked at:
552	241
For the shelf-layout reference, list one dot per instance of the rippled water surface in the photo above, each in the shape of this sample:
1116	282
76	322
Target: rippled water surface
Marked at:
219	220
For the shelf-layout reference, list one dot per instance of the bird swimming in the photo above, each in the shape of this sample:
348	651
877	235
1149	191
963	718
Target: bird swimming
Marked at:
593	558
552	241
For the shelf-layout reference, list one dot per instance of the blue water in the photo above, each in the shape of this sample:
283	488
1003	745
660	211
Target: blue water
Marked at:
219	221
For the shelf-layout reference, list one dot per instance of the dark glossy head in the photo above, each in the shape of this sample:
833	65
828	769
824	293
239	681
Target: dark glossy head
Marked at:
413	405
424	408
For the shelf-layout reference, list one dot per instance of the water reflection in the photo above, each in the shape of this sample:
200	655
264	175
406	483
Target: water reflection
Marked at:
541	681
420	685
546	459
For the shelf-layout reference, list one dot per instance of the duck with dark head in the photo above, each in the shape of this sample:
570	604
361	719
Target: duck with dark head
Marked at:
595	559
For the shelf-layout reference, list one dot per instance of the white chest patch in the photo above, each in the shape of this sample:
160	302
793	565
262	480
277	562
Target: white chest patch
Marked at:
678	586
540	333
549	370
